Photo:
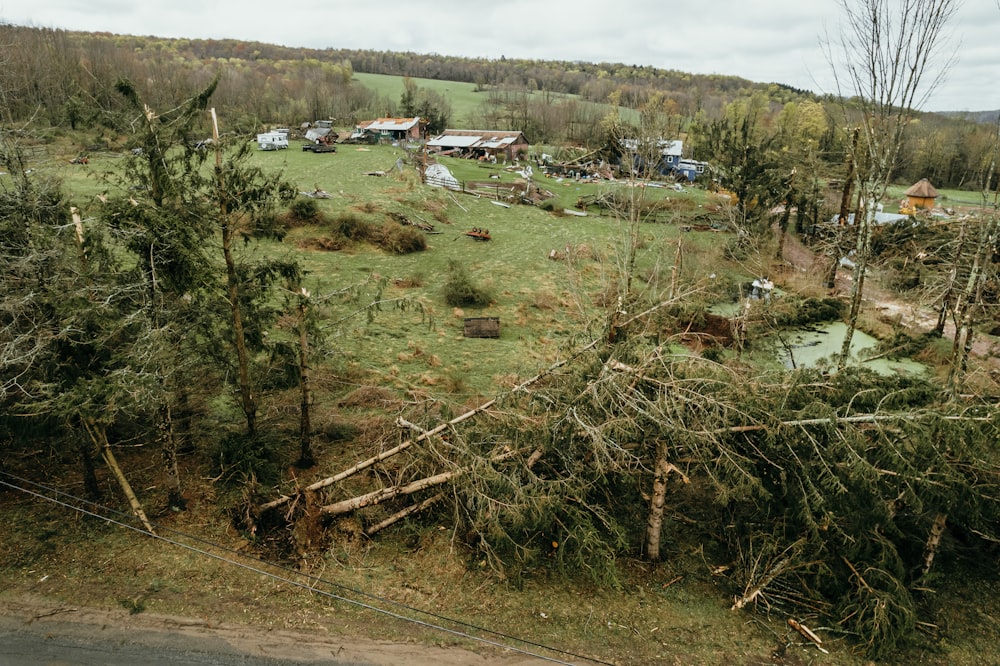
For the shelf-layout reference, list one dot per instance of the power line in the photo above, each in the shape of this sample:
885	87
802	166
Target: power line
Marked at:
312	580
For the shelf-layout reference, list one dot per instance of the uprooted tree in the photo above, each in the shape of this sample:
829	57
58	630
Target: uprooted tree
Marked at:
834	494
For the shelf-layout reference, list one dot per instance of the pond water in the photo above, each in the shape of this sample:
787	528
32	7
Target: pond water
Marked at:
820	344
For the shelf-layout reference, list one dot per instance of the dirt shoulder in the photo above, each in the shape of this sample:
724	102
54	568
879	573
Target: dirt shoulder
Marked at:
48	618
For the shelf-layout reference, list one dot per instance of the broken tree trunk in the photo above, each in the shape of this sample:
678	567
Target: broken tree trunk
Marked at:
306	457
659	498
808	633
408	511
845	200
100	439
658	501
168	445
858	418
383	494
430	501
90	483
933	542
384	455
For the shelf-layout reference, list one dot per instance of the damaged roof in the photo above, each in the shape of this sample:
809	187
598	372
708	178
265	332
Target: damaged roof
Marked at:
317	133
922	189
674	147
488	139
452	141
880	218
389	124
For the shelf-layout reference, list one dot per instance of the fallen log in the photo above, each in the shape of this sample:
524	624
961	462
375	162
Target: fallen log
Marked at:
383	494
834	420
408	511
364	464
430	501
99	437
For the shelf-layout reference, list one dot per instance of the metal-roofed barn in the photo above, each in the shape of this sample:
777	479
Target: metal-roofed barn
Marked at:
501	144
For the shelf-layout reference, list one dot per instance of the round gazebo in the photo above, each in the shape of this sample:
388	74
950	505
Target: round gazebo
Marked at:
921	195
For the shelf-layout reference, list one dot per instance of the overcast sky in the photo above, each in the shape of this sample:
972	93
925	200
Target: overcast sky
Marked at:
760	40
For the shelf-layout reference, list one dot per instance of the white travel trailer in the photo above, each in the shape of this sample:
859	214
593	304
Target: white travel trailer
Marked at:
272	140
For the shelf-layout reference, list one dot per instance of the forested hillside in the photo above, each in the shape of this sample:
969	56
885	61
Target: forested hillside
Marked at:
65	79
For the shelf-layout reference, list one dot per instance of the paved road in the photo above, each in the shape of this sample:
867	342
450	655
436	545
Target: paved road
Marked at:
66	644
42	633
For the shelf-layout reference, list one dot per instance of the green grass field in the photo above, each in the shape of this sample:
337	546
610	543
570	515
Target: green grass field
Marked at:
545	306
464	99
416	341
466	102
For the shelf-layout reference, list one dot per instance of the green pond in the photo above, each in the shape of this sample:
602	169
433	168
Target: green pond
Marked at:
821	344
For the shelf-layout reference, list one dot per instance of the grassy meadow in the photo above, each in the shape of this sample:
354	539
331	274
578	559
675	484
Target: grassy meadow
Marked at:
465	100
546	307
416	341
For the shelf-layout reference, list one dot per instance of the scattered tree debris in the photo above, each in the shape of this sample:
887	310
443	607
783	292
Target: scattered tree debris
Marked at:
479	234
808	634
407	222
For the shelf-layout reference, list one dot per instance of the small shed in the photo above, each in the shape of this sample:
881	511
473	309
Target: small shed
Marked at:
482	327
921	195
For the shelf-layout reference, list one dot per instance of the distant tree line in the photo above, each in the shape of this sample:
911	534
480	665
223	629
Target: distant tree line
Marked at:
66	79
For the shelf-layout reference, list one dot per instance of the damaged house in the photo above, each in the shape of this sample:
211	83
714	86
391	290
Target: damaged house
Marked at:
386	129
505	146
670	156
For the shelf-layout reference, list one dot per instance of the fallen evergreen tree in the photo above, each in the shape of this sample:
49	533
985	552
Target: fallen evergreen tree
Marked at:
833	495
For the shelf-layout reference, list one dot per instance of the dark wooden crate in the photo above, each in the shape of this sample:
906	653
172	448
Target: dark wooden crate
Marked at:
482	327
